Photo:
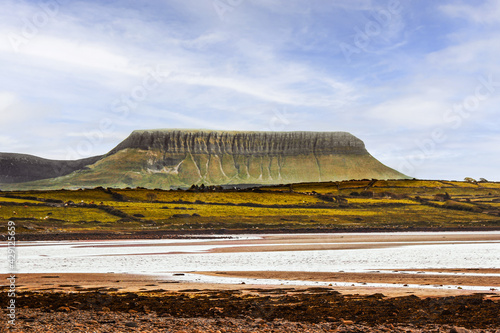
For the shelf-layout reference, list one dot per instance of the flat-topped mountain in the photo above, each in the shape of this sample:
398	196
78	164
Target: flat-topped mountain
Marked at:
174	158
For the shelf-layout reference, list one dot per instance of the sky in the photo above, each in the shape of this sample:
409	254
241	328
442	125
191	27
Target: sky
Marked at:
417	81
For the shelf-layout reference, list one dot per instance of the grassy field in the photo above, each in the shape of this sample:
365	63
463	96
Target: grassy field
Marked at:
347	205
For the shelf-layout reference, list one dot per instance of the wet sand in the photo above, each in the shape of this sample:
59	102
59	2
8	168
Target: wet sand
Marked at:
376	277
312	242
75	282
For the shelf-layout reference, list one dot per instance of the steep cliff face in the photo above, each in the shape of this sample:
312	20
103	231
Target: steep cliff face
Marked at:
180	158
244	143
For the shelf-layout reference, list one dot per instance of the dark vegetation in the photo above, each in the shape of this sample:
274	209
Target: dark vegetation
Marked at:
313	305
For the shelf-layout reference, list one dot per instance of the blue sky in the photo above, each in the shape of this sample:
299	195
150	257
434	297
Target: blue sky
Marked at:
417	81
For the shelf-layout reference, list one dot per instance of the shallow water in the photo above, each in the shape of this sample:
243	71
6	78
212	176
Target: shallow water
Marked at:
163	257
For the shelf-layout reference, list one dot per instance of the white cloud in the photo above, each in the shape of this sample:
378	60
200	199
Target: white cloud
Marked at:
488	12
6	100
15	113
468	56
410	111
9	143
275	91
80	55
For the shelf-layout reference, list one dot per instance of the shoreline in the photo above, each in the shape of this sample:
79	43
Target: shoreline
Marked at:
123	282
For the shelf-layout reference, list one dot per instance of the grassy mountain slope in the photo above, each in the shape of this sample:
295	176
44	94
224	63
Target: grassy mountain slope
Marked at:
134	167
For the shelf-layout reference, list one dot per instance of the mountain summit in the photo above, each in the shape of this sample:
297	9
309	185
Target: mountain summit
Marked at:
169	158
243	143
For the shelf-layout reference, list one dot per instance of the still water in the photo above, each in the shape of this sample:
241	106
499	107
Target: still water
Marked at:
167	256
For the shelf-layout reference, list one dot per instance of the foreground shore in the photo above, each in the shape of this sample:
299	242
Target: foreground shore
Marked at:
128	303
250	310
37	320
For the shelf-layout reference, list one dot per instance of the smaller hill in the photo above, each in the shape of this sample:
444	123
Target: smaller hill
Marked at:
20	168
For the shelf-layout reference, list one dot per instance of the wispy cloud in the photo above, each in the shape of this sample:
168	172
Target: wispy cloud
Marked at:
487	13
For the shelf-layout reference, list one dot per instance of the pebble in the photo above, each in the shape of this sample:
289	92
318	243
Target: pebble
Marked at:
131	324
63	309
151	322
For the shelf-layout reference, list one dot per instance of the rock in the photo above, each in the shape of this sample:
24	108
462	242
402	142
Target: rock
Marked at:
181	215
63	309
346	322
446	312
459	330
131	324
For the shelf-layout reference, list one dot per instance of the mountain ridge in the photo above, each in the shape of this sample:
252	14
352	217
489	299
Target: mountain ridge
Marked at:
235	142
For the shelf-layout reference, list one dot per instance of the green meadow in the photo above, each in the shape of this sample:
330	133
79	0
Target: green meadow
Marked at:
346	205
